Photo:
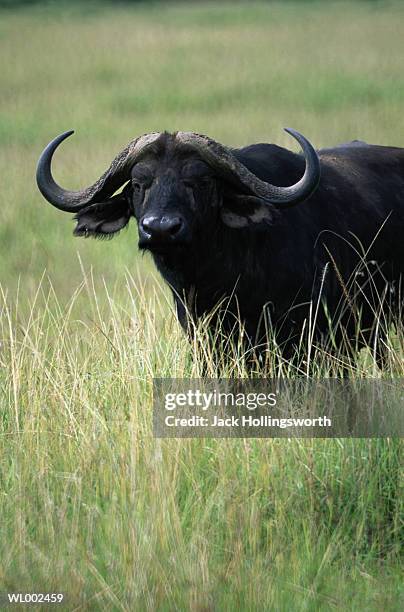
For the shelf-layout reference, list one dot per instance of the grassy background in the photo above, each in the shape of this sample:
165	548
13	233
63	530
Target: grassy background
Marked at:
90	503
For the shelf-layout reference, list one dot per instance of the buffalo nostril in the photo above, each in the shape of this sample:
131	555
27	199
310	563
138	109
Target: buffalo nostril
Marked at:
149	224
170	225
161	227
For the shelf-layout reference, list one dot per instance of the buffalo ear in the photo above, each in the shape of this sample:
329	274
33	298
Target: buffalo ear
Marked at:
104	219
240	211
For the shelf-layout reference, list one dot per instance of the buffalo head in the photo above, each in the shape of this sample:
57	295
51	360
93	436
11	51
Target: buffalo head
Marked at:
179	187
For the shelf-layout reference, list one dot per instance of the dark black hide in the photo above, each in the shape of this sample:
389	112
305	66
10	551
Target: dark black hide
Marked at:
338	255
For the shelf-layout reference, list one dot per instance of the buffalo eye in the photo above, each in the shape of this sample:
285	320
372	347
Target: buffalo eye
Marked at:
195	174
196	182
142	177
136	186
189	182
139	183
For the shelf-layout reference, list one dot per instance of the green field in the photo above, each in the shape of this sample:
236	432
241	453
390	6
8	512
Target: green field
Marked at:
90	503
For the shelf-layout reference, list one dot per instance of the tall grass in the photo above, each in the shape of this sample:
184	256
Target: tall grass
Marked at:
90	503
94	506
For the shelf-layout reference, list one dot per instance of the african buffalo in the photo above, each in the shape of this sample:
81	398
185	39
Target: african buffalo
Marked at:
285	242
